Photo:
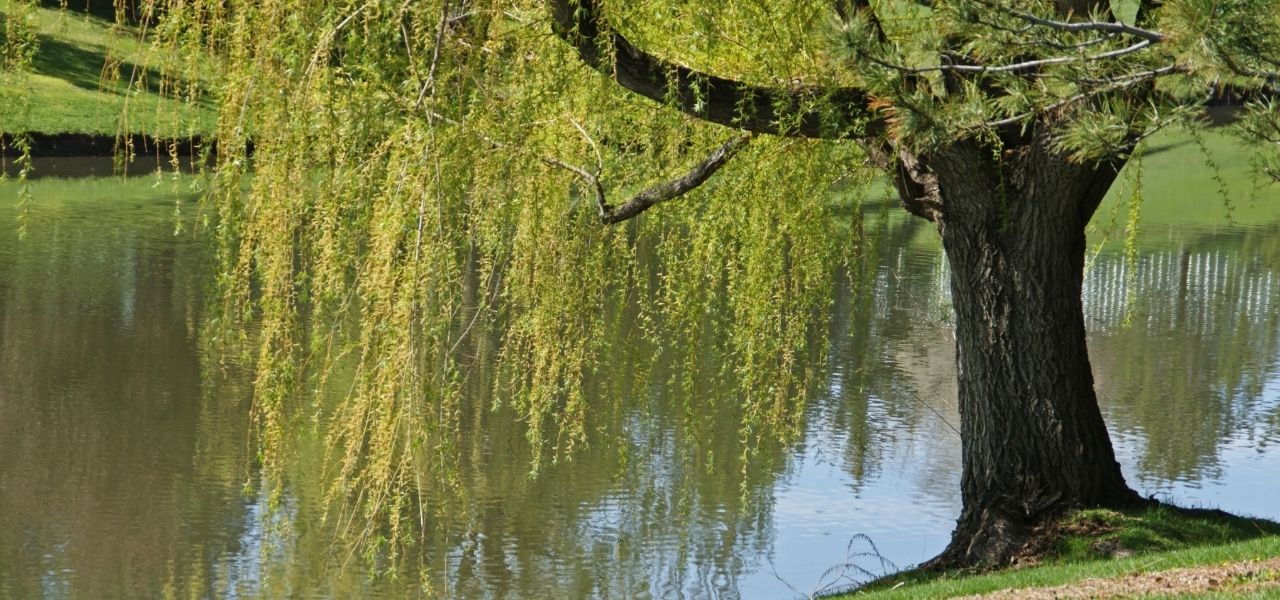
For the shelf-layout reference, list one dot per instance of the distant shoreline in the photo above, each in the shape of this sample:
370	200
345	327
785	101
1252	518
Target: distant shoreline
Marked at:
96	145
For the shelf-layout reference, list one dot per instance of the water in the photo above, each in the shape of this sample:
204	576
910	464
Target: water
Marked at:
126	469
119	474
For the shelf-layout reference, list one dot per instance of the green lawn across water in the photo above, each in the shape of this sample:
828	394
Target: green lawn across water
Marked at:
68	90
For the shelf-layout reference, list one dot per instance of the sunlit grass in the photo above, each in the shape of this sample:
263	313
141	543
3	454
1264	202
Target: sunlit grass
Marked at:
1103	543
72	89
1207	180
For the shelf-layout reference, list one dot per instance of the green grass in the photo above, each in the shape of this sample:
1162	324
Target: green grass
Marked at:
69	91
1100	543
1210	182
1186	191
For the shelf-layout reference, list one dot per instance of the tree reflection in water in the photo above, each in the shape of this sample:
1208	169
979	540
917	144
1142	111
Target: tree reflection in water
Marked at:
121	477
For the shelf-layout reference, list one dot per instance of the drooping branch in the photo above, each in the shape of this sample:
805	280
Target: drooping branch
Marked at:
798	111
659	193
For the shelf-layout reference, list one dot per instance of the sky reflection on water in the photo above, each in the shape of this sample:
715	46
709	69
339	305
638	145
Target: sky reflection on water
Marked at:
125	454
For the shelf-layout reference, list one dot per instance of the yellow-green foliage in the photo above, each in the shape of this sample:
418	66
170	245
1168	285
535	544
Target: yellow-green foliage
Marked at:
16	54
397	204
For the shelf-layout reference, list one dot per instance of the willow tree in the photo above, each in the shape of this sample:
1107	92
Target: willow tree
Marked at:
1004	125
412	161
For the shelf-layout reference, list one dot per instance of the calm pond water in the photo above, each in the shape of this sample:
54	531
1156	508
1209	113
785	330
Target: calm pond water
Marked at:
125	462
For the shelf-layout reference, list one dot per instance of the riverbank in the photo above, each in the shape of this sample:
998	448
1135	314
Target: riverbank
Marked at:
1163	551
91	79
57	145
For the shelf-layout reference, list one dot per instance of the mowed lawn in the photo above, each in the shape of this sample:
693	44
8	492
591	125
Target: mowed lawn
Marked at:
91	76
1121	548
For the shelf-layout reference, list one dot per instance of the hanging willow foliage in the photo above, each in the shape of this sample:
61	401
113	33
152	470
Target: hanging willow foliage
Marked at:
416	178
18	46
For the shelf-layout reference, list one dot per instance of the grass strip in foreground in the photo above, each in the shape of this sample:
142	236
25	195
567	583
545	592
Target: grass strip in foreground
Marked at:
1108	544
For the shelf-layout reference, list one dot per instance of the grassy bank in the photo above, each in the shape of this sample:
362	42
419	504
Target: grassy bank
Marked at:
1110	544
70	88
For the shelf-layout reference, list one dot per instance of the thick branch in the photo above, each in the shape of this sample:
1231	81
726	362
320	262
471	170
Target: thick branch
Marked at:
802	111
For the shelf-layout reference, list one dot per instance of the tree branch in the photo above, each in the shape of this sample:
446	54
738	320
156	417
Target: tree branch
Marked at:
659	193
1146	34
1016	67
589	178
1135	77
1106	85
646	199
675	188
1067	47
801	111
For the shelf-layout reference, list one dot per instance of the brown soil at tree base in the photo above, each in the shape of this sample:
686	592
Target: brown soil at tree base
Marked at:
1044	540
995	540
1242	577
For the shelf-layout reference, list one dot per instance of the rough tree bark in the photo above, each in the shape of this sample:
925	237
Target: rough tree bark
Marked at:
1034	444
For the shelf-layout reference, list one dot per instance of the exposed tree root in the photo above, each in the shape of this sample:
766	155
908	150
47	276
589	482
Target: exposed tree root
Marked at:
986	538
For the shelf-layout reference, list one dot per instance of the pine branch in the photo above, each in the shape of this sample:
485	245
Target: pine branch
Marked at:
1015	67
1133	77
1105	26
1067	47
1103	86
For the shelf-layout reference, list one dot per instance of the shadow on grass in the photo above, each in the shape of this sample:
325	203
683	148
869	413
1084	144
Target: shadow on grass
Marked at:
1098	534
1088	536
102	9
84	66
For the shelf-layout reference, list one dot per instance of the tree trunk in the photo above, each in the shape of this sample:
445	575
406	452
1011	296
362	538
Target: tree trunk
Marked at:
1033	440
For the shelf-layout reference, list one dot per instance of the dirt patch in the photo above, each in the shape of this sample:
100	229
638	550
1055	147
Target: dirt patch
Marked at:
1245	576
